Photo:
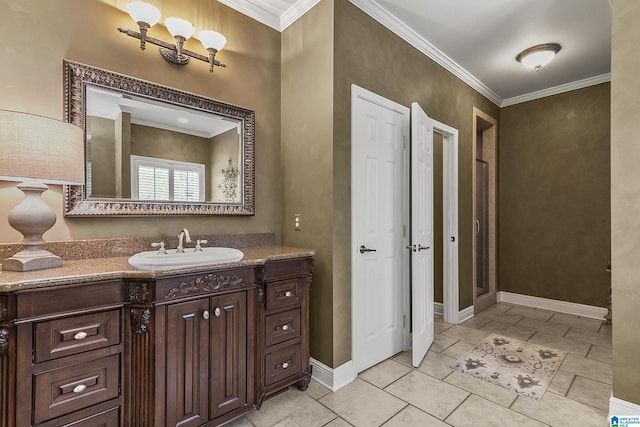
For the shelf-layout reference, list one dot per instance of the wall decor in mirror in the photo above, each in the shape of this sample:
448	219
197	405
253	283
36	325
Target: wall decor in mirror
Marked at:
155	150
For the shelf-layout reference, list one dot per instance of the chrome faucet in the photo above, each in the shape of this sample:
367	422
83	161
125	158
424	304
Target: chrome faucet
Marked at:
184	234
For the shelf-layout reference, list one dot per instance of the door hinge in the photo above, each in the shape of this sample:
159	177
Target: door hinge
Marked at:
404	320
404	141
404	231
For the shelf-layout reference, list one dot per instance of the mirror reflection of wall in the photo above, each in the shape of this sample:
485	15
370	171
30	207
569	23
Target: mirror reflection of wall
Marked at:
182	151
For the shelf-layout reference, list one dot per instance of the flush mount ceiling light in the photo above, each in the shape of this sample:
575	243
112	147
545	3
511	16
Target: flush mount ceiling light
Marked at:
538	56
147	15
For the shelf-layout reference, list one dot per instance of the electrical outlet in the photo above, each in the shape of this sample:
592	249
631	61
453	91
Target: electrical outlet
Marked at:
296	222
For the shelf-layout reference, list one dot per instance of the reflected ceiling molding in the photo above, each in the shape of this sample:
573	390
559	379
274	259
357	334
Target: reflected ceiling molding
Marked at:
567	87
399	28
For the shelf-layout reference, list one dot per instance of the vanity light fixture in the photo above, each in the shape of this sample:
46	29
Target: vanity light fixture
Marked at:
147	15
37	150
538	56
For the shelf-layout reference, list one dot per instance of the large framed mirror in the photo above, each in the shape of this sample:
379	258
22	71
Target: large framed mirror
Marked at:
154	150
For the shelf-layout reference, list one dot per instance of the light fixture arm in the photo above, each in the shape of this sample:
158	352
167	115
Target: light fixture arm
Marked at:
171	47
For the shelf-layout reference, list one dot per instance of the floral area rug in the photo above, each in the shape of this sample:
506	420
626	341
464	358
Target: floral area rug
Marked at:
524	368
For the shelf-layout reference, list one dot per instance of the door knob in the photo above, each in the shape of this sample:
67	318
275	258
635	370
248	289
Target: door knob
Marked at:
205	315
364	249
217	312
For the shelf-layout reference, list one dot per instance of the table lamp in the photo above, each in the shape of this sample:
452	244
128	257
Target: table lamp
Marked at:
36	151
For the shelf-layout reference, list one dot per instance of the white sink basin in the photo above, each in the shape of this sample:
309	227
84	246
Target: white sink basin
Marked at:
152	260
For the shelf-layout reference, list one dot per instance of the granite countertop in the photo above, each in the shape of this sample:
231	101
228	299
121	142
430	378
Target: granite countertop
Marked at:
96	269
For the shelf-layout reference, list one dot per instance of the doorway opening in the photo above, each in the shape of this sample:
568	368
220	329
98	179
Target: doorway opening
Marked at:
484	147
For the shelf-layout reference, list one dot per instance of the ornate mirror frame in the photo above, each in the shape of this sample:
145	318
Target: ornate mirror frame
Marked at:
76	79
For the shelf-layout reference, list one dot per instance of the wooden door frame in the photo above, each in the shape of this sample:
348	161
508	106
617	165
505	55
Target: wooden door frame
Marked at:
490	146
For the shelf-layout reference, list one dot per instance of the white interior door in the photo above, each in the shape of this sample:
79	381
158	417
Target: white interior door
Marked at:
422	274
379	127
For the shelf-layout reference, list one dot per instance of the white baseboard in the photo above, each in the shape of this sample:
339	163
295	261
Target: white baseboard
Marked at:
554	305
333	379
622	407
467	313
438	308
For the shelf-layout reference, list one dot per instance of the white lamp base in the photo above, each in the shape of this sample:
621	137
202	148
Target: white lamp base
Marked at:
31	260
32	217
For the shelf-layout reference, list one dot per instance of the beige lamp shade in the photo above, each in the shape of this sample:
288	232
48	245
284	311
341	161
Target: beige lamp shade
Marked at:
40	148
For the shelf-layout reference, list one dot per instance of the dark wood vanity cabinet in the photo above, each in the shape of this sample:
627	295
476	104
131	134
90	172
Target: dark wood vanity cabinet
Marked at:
184	350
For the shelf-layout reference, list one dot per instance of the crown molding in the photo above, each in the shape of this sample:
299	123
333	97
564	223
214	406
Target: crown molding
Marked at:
392	23
567	87
296	11
252	11
279	23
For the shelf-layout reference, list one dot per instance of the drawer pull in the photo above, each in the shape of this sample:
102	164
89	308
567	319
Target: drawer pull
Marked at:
285	365
288	294
80	335
285	327
79	388
217	312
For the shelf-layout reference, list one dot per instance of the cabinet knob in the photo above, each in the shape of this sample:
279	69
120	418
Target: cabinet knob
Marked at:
205	315
288	294
217	312
285	327
80	335
79	388
285	365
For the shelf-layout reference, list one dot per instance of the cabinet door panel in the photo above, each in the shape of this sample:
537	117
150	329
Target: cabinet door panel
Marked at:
228	353
187	363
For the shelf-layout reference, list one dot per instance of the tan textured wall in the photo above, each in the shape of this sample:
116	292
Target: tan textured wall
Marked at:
555	197
307	159
625	193
369	55
40	34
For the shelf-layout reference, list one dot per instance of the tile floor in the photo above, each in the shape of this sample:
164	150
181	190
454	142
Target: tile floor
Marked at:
394	394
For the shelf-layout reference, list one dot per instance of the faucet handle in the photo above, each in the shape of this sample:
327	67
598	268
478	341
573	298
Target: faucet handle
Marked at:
160	245
198	247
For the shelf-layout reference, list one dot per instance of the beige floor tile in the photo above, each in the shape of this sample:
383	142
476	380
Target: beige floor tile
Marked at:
499	317
558	329
602	340
414	417
458	349
576	322
428	394
590	392
479	412
470	335
500	307
556	410
338	422
287	422
481	388
301	408
240	422
363	404
438	327
436	365
561	382
441	343
602	354
605	329
404	358
476	322
384	373
531	313
559	343
513	331
588	368
315	389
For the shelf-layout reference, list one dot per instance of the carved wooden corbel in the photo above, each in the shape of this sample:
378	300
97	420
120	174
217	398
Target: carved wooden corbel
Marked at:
4	341
140	320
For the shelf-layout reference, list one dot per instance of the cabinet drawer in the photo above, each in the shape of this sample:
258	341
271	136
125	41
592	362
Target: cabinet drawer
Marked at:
287	293
282	327
71	335
282	269
75	387
110	418
282	364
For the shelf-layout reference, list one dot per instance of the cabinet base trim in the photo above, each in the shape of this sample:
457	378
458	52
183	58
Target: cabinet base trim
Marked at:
334	378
